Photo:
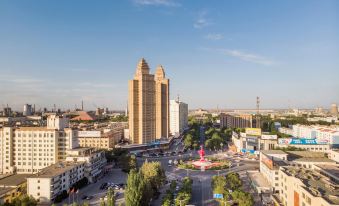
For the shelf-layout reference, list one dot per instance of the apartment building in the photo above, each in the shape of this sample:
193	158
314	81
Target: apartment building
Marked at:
178	117
148	105
54	179
306	187
239	121
30	149
95	161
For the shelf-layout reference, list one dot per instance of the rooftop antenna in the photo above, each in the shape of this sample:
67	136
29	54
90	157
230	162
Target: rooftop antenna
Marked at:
258	105
82	105
178	98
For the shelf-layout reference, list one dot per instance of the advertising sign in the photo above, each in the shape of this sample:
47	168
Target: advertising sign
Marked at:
266	136
89	133
267	161
301	141
253	131
217	196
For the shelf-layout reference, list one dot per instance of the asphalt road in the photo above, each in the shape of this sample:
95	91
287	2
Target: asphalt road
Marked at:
201	190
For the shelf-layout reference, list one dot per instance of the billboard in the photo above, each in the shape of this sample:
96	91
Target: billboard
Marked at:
266	136
253	131
267	161
301	141
89	133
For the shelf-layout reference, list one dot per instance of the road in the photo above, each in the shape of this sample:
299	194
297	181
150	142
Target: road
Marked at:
201	190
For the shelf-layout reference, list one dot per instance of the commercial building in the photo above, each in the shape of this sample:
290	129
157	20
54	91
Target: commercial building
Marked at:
95	161
270	162
308	187
54	179
178	117
30	149
27	110
148	105
239	121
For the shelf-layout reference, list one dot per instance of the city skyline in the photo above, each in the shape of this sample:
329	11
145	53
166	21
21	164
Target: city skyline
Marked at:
222	55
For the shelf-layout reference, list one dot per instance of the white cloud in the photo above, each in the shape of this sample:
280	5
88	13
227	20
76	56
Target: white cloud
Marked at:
202	21
156	2
249	57
214	36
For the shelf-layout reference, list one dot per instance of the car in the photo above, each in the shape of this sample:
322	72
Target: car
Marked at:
84	197
103	186
152	155
173	153
89	197
161	154
139	155
180	152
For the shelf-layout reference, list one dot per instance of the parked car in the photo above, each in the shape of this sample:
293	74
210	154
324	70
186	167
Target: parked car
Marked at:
84	197
89	197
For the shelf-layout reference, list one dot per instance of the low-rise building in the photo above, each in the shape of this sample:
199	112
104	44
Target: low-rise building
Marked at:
270	162
239	121
12	186
308	187
54	179
95	161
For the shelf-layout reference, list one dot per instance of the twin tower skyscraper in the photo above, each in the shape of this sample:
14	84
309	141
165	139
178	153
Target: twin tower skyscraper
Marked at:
148	105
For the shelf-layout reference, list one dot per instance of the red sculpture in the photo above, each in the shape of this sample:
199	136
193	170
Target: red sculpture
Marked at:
202	154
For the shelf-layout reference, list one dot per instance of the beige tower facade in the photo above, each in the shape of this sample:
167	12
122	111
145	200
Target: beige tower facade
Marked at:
148	104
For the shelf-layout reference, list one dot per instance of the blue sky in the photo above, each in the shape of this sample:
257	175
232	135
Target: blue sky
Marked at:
221	53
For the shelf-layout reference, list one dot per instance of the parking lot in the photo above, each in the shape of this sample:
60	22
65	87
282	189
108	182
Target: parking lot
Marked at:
94	192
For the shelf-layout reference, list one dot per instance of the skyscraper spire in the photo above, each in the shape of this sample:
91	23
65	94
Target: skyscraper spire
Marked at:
142	67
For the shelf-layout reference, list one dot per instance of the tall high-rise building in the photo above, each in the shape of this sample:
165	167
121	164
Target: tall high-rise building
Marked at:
27	110
148	105
334	109
178	117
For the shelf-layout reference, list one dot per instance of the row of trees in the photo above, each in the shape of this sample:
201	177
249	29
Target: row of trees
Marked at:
185	192
230	187
144	183
192	136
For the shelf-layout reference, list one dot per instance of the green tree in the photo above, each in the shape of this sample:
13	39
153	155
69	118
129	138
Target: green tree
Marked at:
188	141
134	189
233	181
243	198
24	200
110	197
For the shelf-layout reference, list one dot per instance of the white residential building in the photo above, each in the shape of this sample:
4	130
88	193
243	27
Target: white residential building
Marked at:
30	149
95	161
178	117
54	179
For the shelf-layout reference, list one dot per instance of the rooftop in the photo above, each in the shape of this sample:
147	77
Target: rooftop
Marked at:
271	152
316	183
306	154
14	180
56	169
313	159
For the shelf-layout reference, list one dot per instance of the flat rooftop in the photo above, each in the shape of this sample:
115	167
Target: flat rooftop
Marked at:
4	190
14	180
306	154
330	169
56	169
316	183
313	159
271	152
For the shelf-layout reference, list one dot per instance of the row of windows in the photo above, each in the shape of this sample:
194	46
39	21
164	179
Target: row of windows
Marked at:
35	158
34	154
34	135
34	163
